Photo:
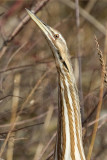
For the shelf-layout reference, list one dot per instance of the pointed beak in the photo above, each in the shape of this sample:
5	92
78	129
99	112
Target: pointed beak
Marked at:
44	28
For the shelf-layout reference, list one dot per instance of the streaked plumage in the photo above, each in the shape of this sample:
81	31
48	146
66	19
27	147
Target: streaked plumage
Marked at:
69	137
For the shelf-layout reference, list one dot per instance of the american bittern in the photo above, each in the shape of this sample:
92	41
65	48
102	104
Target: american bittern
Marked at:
69	136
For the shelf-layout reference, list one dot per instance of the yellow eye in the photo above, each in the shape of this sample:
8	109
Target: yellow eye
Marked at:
56	36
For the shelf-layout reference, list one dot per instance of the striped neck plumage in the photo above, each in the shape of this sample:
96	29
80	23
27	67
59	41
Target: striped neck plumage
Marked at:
69	139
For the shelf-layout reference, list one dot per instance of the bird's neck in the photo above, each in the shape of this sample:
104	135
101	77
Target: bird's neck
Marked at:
69	139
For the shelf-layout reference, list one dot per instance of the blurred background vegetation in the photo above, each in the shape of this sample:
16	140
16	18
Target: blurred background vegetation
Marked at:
28	77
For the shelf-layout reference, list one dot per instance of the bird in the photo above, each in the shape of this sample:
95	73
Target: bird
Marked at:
69	144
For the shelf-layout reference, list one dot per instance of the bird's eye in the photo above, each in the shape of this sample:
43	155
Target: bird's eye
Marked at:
56	36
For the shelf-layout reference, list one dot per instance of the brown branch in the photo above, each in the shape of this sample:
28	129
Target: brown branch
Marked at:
17	67
18	129
38	7
22	107
92	112
86	16
50	141
10	96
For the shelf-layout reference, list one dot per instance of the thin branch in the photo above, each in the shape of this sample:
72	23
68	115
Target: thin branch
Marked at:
87	16
22	107
97	120
10	96
92	112
24	122
90	5
50	141
18	129
38	7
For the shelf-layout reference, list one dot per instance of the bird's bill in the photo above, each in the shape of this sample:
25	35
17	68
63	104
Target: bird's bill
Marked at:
44	28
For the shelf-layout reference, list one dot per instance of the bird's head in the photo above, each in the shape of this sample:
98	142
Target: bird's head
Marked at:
55	40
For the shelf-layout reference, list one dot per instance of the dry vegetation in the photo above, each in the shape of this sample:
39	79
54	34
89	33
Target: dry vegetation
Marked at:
28	77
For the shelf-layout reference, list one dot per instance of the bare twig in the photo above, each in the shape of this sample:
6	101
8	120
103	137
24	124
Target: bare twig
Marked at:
90	5
93	111
97	120
23	67
50	141
24	122
21	128
24	104
39	153
10	59
38	7
87	16
88	9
